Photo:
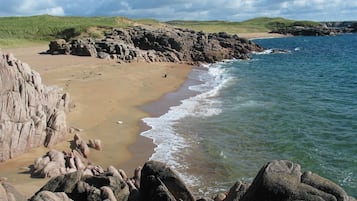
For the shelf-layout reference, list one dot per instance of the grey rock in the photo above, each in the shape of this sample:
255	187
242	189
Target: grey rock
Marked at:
237	191
31	114
283	180
164	44
50	196
164	177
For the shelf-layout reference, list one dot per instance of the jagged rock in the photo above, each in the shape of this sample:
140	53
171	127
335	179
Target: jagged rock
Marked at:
50	165
153	189
50	196
164	179
165	44
58	46
282	180
79	186
31	114
9	193
236	192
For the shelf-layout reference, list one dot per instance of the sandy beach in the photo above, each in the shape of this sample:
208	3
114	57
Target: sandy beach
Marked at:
103	92
261	35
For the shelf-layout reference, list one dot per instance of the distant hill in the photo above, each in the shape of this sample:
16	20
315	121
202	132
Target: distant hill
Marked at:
261	24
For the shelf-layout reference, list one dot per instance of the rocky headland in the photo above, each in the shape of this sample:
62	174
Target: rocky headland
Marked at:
31	113
164	44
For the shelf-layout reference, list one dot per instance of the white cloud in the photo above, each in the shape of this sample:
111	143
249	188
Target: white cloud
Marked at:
234	10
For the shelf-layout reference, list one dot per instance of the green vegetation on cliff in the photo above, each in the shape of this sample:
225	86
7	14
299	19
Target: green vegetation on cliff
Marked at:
16	31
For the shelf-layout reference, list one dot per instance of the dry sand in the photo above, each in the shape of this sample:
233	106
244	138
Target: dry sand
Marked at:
261	35
104	93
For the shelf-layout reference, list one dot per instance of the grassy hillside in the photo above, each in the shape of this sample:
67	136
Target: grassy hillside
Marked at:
23	31
20	31
262	24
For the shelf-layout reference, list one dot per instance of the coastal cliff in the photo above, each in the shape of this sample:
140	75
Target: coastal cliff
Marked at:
31	114
164	44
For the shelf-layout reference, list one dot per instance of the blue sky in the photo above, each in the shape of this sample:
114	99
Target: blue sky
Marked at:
231	10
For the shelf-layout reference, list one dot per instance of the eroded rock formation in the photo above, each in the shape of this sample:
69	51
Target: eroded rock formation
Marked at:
31	114
164	44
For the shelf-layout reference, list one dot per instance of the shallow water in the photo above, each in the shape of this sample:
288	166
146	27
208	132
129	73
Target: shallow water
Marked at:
299	106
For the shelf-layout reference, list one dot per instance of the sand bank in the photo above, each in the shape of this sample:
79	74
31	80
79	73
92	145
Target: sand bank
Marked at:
104	93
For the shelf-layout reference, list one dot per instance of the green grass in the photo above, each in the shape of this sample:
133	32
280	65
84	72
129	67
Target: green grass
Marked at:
262	24
22	31
45	27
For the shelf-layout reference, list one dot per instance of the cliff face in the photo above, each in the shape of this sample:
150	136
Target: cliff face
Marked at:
31	114
164	44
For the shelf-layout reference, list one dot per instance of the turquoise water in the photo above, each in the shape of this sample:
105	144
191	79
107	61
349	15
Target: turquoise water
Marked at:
300	106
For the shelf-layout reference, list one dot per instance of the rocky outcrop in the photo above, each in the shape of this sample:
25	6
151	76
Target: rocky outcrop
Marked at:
31	114
55	163
9	193
164	44
277	180
283	180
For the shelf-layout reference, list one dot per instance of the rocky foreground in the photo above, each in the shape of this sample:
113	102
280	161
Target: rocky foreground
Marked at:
164	44
276	181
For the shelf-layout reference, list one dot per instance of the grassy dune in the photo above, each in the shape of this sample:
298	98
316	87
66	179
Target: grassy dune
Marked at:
27	31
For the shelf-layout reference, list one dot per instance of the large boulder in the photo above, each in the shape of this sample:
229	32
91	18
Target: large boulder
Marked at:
31	113
282	180
158	177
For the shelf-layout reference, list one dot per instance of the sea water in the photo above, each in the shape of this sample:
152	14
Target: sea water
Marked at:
298	105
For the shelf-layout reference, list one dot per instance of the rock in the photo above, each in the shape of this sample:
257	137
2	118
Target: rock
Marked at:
58	46
31	114
107	193
50	165
157	173
164	44
95	144
283	180
9	193
153	189
50	196
324	185
83	47
220	197
79	186
236	192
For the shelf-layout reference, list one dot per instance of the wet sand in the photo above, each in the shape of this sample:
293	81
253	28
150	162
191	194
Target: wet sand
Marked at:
104	93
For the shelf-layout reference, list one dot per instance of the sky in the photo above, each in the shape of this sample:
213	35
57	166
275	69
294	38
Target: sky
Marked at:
165	10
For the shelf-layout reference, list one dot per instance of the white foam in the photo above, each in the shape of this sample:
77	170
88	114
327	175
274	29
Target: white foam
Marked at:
213	78
268	51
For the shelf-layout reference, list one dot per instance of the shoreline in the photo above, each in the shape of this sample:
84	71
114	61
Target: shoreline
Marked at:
104	93
81	76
